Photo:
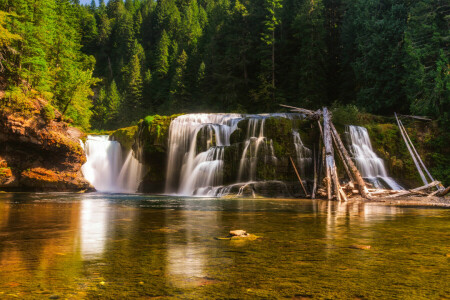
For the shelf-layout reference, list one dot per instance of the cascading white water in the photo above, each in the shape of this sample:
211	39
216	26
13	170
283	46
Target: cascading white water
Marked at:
251	148
303	154
105	168
205	168
368	163
197	145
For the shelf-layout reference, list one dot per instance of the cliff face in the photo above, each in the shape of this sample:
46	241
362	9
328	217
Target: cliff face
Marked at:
38	151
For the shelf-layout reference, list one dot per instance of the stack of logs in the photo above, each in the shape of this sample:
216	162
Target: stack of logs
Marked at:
356	185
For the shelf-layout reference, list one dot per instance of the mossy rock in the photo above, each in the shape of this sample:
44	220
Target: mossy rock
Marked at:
152	139
204	142
151	148
125	136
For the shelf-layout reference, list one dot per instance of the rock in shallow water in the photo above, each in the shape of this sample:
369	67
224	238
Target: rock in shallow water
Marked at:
238	232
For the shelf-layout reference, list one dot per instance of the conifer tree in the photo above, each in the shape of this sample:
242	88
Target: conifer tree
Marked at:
162	60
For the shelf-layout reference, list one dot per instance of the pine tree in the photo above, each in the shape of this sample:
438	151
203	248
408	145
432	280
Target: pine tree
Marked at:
162	60
114	103
178	91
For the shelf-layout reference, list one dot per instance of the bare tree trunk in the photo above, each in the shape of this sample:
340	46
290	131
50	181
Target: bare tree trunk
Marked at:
329	159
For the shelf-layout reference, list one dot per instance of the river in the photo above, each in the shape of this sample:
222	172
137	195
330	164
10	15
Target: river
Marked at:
67	245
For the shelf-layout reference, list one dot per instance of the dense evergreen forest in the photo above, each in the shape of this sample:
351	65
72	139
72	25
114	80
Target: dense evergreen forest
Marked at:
107	65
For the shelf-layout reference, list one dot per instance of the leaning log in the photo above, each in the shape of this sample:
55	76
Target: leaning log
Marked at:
341	156
411	152
439	187
329	159
354	170
298	176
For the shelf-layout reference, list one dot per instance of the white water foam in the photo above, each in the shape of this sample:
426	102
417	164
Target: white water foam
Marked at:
368	163
105	168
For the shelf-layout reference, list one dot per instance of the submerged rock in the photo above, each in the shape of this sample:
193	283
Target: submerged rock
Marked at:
40	154
361	247
238	233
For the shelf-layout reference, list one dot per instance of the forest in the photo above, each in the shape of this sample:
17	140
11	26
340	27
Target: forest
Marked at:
107	65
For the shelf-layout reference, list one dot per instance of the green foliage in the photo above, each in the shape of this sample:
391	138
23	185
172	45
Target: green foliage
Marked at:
185	56
47	57
48	113
17	99
345	114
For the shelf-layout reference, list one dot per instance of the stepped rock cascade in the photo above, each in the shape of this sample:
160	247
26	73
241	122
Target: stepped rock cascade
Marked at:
105	168
186	134
368	163
252	145
199	153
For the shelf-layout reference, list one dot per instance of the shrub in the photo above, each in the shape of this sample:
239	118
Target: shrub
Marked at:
345	115
48	113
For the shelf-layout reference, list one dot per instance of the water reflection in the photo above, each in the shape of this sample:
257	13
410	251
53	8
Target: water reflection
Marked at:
186	254
94	220
119	246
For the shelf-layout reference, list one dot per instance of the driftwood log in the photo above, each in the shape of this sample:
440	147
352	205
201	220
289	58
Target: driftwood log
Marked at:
412	191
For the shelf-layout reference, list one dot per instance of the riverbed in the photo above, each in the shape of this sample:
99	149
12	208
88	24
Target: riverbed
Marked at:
76	246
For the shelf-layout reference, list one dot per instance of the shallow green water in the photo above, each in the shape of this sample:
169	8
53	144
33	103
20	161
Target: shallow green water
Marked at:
130	246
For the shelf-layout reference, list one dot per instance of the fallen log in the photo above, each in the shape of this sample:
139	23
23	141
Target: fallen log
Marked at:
314	114
403	193
444	192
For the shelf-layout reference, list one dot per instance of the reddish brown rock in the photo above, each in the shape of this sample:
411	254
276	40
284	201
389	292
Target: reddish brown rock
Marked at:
38	154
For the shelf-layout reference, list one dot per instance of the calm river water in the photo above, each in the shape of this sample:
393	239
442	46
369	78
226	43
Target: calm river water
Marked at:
99	246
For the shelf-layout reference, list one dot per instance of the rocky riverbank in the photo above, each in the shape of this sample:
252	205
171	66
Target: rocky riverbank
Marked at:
38	150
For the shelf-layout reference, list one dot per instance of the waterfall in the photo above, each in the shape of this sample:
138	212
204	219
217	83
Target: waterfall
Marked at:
303	154
253	143
105	168
197	144
368	163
